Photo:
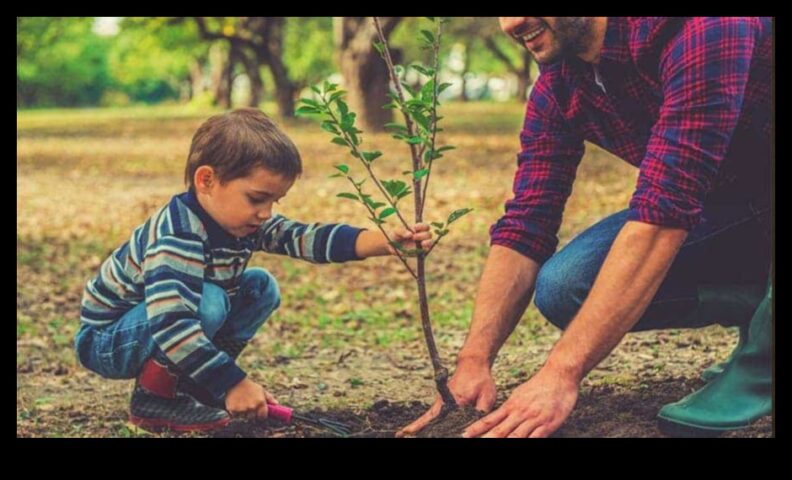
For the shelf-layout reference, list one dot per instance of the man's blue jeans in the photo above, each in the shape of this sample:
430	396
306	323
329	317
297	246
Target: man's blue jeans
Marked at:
120	349
730	246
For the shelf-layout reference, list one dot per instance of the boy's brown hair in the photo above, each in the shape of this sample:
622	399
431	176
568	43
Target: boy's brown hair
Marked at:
236	142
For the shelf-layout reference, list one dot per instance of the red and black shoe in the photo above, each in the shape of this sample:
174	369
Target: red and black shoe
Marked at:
158	403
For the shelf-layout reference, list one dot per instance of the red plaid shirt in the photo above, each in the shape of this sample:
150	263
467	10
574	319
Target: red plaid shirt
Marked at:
684	98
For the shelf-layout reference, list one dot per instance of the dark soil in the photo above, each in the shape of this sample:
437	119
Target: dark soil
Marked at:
601	411
451	424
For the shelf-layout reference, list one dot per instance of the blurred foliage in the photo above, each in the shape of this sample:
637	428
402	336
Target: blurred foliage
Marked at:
64	62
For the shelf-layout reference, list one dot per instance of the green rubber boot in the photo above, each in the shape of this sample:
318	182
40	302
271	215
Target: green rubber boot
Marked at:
727	305
710	373
736	398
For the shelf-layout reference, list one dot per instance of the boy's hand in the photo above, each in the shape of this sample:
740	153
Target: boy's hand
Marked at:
249	399
373	244
409	240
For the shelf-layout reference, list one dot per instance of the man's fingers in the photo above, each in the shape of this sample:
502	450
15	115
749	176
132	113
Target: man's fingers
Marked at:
542	431
421	422
505	427
485	424
271	398
485	402
524	429
421	227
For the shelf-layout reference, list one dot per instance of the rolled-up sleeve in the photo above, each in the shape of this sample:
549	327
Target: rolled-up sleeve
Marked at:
703	72
546	167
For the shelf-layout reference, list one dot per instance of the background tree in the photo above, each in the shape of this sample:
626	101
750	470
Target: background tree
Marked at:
365	74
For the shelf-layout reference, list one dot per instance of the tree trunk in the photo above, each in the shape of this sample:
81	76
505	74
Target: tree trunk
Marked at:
465	69
284	88
221	75
365	73
524	79
196	79
254	75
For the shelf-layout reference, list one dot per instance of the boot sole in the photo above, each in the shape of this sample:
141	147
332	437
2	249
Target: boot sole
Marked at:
158	425
681	429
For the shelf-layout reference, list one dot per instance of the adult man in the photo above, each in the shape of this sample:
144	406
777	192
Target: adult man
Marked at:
687	101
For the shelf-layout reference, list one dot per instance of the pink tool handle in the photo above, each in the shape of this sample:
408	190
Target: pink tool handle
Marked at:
279	412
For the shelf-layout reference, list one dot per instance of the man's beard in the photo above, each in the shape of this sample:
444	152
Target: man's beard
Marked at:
572	37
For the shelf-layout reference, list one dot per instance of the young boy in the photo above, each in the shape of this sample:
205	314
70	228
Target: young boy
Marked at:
175	305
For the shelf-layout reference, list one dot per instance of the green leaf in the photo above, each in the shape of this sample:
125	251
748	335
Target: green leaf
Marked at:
421	120
428	36
445	148
420	173
380	47
438	224
354	137
342	168
403	194
316	89
424	70
343	108
387	213
340	141
335	175
307	111
371	203
329	126
370	156
456	214
396	126
347	121
442	87
399	70
376	220
427	91
336	96
350	196
311	103
329	87
415	140
394	187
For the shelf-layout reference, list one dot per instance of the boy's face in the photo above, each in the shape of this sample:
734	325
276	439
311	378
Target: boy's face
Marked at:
241	205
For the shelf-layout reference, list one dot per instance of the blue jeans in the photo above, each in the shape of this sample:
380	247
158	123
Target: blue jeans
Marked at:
730	246
120	349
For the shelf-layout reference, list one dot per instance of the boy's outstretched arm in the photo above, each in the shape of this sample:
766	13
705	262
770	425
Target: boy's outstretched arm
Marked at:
373	243
325	243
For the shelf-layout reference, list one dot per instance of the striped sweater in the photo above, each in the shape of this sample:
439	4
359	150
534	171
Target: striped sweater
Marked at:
169	257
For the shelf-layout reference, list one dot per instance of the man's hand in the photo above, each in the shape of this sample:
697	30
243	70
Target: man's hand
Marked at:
535	409
249	399
471	384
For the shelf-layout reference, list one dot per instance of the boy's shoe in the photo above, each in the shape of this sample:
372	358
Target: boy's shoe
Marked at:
158	403
233	348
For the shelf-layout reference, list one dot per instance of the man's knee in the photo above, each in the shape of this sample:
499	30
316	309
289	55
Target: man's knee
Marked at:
555	297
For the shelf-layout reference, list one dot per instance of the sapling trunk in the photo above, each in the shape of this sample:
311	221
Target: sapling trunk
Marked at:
420	133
